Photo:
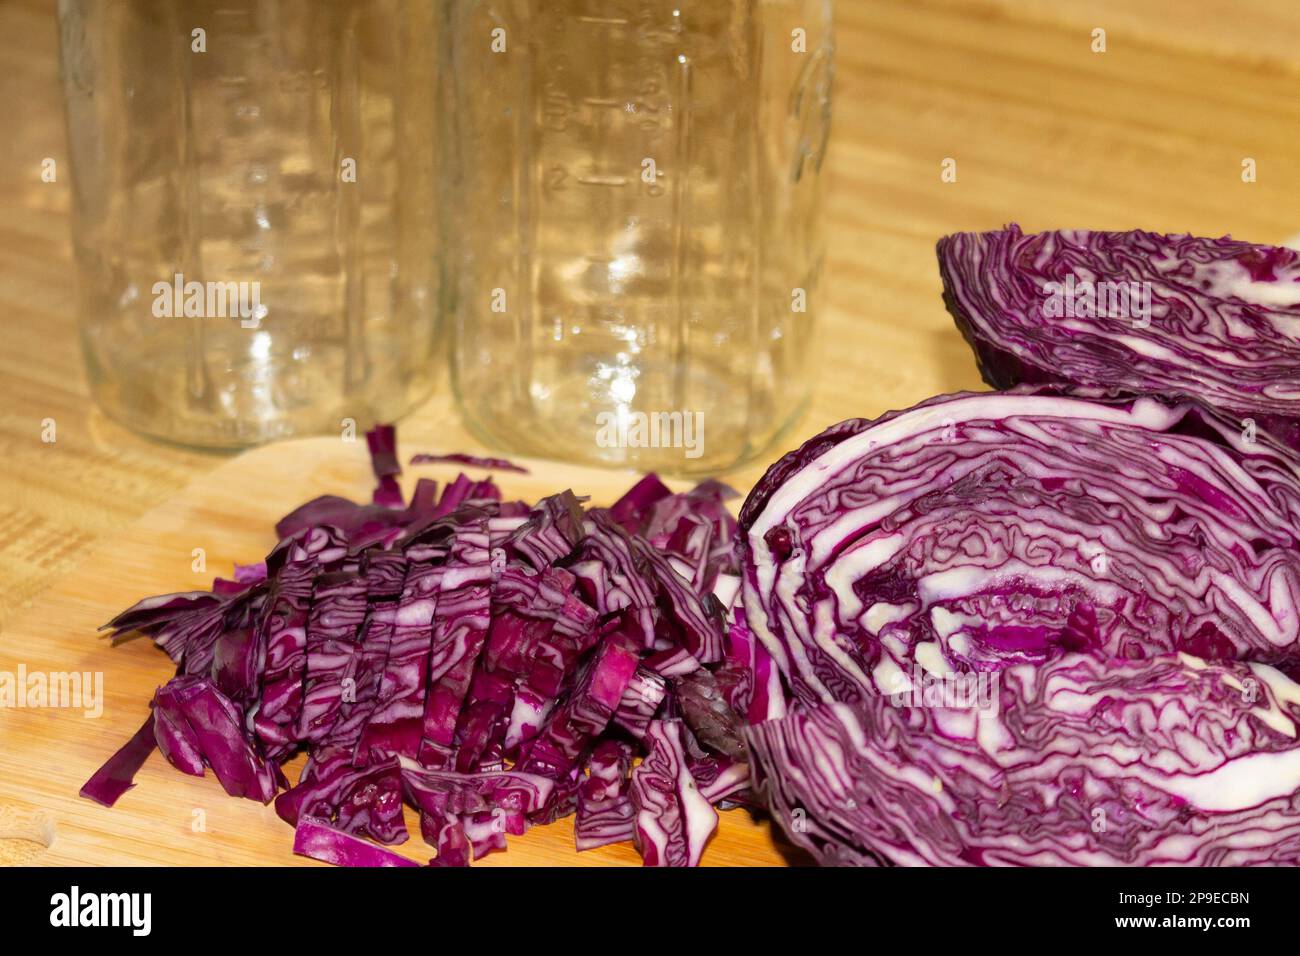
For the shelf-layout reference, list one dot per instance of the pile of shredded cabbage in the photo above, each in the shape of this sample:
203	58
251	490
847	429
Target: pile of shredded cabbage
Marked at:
491	664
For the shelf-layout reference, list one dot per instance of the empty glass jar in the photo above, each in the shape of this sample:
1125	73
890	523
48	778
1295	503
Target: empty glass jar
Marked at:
634	217
253	211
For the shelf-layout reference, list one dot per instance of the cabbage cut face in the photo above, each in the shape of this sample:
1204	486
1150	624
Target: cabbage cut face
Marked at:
1177	316
995	536
976	531
1085	761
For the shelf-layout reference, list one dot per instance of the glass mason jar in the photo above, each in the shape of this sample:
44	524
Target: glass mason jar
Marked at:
253	211
635	206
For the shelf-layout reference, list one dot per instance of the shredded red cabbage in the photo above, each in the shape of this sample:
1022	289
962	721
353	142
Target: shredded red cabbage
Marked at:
490	664
469	461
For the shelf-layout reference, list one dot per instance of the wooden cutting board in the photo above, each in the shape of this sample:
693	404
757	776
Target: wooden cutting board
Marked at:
169	818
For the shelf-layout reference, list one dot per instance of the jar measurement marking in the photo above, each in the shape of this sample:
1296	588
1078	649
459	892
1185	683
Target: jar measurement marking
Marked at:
593	179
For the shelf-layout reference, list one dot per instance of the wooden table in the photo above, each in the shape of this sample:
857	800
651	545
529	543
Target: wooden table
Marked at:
1044	131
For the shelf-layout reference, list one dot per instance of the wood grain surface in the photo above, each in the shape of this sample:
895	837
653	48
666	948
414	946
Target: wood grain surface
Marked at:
49	753
1045	132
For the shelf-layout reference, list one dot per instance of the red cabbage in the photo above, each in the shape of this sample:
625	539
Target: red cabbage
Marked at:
478	660
1176	316
605	811
198	726
673	819
382	442
1085	760
366	800
320	841
1019	538
117	776
989	529
469	461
